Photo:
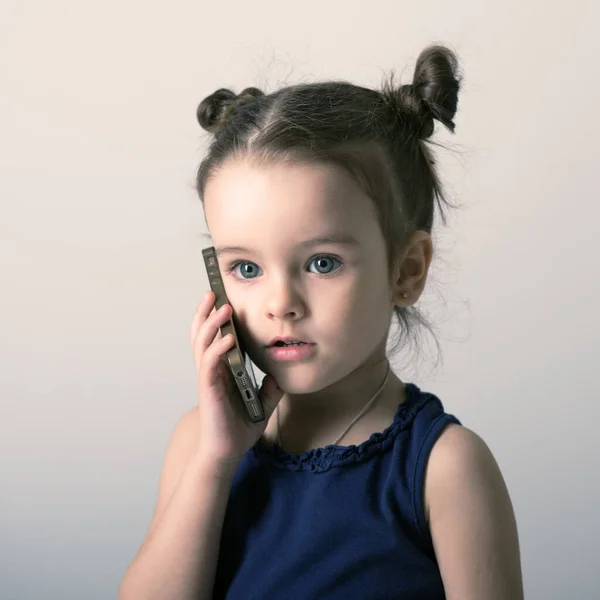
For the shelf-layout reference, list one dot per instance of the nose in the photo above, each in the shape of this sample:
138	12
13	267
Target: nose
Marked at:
284	302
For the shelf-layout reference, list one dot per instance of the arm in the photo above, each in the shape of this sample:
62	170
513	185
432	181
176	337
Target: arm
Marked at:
178	557
471	520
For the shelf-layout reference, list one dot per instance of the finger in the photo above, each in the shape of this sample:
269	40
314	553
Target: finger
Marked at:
206	321
201	313
209	330
270	395
209	333
209	371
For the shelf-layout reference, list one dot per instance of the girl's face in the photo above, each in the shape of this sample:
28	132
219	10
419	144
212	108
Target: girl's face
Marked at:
302	255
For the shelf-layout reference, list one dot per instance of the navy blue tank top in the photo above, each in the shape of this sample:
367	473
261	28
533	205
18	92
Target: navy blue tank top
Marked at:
338	522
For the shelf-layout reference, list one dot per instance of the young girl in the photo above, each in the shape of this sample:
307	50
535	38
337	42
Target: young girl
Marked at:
320	201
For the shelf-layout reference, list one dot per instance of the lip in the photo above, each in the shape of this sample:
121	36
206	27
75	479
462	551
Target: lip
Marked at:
286	339
291	353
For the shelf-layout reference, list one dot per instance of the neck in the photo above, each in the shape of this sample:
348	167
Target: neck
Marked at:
327	413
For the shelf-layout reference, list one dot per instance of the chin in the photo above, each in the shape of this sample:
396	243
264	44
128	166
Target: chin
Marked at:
301	378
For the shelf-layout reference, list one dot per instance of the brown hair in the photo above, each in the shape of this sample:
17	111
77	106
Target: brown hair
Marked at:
377	136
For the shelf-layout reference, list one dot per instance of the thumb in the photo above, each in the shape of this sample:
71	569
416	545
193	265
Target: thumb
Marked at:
270	394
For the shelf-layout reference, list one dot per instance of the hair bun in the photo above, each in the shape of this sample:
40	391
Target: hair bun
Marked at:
433	93
214	110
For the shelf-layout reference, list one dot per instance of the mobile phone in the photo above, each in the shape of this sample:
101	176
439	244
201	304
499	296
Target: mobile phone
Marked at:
238	359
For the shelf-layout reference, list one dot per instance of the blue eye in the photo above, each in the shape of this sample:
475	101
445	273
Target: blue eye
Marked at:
325	263
248	268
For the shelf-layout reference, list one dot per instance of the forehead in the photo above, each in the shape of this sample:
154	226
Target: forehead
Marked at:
296	201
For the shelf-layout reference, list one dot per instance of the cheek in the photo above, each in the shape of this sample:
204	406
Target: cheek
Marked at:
361	308
372	308
237	294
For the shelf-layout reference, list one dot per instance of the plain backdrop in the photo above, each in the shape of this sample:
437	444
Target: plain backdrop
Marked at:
101	234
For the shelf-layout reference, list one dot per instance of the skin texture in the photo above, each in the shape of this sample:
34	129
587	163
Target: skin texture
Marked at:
339	297
344	307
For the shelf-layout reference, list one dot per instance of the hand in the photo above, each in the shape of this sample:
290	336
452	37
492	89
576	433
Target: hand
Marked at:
226	432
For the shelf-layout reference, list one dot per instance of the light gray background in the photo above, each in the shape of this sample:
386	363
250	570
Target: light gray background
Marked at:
101	270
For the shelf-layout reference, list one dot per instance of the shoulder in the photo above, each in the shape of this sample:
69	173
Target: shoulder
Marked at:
460	461
179	449
459	454
184	436
471	518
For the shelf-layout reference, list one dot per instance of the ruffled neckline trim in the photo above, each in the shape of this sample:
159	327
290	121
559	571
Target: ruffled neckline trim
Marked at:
322	459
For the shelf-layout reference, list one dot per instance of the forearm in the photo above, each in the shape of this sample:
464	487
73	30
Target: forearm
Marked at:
178	560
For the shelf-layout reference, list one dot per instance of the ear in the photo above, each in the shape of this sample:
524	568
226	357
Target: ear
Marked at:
412	267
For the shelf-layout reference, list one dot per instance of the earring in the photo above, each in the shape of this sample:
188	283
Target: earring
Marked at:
405	294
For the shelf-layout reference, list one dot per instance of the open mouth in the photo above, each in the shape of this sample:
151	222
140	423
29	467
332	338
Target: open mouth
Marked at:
291	350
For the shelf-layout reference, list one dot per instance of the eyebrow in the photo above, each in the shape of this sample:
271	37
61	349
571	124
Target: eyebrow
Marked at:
339	239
